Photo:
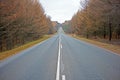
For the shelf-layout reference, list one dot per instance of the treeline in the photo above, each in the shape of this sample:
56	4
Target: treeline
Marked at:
21	21
97	18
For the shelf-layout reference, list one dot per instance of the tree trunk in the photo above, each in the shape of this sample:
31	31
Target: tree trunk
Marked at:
110	32
0	45
95	35
119	32
104	33
87	35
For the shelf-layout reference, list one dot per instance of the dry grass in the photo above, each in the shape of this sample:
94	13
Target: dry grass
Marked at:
14	51
111	47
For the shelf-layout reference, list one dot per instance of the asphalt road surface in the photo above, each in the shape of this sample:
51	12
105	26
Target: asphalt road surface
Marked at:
62	58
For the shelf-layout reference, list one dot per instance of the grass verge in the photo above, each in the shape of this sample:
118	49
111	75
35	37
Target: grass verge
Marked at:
6	54
111	47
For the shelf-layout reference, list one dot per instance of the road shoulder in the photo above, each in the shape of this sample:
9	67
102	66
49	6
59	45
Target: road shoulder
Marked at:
9	53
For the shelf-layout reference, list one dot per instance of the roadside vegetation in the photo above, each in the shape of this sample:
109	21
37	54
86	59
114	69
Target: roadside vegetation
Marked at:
6	54
98	20
22	21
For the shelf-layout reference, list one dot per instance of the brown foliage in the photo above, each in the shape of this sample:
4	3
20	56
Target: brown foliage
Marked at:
21	21
98	18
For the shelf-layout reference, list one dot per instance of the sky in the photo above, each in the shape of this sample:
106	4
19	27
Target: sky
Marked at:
60	10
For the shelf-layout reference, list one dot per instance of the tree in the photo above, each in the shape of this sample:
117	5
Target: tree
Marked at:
21	21
98	18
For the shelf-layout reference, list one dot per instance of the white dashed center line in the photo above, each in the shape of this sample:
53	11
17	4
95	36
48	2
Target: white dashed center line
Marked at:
63	77
58	62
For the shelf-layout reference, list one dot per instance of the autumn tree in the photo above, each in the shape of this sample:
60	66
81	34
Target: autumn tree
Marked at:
21	21
98	18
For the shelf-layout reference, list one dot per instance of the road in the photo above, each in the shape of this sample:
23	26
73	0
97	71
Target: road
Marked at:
62	58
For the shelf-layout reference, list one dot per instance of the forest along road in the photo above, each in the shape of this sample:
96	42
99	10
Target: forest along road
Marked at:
62	58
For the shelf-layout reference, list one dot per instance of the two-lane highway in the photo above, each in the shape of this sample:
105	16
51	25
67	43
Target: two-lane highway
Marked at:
62	58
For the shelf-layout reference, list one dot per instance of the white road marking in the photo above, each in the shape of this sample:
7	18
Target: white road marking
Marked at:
62	65
58	63
63	77
61	45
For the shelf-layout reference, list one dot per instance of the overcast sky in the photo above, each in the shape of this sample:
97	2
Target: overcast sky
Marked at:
60	10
